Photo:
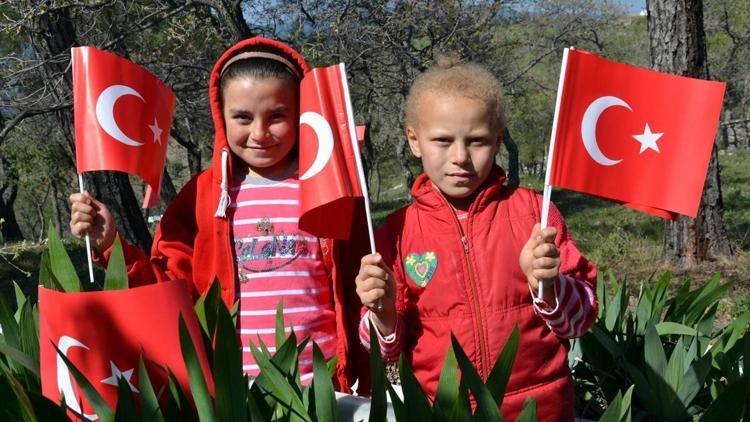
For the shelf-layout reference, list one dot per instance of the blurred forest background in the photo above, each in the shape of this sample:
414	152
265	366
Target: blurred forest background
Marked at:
384	44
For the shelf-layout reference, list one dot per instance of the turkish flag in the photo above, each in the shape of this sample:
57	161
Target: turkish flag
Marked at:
104	334
122	115
636	136
330	166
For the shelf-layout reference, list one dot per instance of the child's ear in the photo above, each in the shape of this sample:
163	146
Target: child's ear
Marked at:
411	136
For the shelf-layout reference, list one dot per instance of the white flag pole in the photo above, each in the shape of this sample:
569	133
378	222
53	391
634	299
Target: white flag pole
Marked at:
88	240
547	194
360	169
357	157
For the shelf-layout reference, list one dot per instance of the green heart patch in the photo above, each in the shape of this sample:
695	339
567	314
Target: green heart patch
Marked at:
421	267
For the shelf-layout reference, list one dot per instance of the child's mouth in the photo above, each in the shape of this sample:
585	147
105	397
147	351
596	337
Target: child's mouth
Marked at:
461	177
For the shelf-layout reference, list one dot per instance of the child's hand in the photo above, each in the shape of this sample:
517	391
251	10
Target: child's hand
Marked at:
375	285
540	259
89	216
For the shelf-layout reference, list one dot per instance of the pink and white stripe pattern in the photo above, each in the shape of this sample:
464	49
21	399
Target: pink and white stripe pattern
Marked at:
573	313
390	346
277	261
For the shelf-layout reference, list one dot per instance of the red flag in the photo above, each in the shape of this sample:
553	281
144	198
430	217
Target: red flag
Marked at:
635	136
329	154
104	333
123	115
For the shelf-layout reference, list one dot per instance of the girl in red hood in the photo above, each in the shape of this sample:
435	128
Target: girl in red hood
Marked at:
237	220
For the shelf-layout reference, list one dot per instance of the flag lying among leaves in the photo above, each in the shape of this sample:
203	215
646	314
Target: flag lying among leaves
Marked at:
329	154
122	114
105	333
636	136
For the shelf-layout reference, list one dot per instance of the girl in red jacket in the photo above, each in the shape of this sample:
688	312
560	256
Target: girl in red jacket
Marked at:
467	255
237	220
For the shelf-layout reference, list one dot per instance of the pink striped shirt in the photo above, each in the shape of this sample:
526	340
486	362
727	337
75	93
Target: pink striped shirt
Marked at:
277	261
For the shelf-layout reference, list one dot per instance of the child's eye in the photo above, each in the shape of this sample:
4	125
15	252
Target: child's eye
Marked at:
242	117
441	140
275	117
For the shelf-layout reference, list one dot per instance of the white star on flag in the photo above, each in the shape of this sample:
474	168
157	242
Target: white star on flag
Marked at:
116	374
156	130
648	139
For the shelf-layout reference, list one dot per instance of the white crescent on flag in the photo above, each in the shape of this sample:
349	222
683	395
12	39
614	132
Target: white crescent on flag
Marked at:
105	105
323	132
588	127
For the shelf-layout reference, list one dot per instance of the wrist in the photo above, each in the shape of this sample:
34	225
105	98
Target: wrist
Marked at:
385	321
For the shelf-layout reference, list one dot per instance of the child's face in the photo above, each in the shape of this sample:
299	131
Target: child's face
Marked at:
261	117
457	140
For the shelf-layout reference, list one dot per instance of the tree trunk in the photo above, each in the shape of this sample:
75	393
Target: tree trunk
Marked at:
678	45
512	170
112	188
9	228
403	162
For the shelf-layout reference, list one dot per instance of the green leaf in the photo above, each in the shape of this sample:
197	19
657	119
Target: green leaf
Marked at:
325	399
487	408
46	278
399	410
378	398
528	413
116	277
45	409
692	381
613	310
212	304
9	324
280	334
150	410
731	404
277	385
125	410
29	331
20	298
415	400
60	263
230	384
16	404
22	358
196	377
500	374
674	328
447	391
96	401
612	414
179	400
654	352
676	366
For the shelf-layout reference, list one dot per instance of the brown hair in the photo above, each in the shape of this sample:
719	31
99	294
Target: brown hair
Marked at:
465	80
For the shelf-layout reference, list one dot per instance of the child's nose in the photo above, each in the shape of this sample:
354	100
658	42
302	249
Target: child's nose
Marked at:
460	155
258	131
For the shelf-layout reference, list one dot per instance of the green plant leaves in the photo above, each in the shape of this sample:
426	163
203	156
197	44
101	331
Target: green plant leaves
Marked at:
60	263
195	375
325	399
116	276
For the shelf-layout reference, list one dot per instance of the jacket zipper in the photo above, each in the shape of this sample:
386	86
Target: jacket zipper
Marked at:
483	354
477	316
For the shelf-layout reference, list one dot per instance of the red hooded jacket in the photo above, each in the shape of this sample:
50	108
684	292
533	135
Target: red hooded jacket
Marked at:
192	244
472	286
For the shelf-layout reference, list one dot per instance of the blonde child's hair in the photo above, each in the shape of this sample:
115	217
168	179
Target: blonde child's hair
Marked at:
463	80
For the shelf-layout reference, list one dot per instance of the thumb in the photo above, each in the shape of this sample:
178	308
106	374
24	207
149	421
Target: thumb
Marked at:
535	237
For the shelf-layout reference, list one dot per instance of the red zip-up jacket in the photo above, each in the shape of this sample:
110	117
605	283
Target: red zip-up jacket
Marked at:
193	244
471	285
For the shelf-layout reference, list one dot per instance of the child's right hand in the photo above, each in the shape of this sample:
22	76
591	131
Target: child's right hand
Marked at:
89	216
375	285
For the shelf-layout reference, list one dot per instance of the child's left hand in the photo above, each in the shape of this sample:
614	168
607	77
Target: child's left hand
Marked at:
540	258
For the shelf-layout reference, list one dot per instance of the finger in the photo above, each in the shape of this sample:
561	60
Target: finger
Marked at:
545	263
375	271
371	259
372	284
548	234
546	250
549	274
534	238
371	298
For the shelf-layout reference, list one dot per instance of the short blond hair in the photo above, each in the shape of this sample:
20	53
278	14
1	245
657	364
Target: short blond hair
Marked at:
464	80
